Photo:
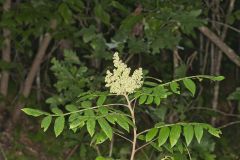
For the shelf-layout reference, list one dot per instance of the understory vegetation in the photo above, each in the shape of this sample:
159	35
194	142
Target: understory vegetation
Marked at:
127	80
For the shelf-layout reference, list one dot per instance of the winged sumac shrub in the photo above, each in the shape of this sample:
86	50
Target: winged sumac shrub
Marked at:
131	92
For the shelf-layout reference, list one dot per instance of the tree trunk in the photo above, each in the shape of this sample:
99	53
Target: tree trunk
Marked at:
6	54
27	86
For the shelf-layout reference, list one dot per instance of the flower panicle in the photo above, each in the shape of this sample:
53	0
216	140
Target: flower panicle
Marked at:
119	80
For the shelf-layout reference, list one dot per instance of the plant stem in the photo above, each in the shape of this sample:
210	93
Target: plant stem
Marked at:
134	141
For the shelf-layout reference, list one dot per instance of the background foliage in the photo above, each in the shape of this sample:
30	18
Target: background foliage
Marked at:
161	36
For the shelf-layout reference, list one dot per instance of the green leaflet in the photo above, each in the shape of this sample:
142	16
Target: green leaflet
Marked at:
188	133
111	118
107	129
149	100
33	112
78	122
91	123
214	131
71	108
151	134
174	86
142	99
86	104
100	137
46	122
218	78
190	85
163	135
198	129
157	100
59	125
101	100
122	122
56	111
175	134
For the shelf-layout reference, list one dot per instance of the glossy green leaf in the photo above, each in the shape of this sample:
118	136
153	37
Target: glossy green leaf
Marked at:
190	85
188	133
151	134
46	122
107	129
198	130
163	135
175	134
59	125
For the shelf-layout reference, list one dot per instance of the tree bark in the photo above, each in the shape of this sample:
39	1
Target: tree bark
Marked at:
6	53
27	86
229	52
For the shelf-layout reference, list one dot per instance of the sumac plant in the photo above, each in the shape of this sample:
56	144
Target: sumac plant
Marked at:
131	92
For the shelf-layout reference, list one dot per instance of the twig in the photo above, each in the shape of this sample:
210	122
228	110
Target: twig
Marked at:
217	111
111	147
146	144
72	151
190	158
229	52
123	137
3	153
229	124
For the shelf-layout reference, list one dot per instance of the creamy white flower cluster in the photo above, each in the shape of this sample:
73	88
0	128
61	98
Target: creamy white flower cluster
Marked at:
119	81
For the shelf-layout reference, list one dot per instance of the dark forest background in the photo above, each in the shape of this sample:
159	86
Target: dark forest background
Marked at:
48	46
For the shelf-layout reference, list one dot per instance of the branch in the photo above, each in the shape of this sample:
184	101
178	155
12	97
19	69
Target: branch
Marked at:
37	61
229	124
27	86
221	45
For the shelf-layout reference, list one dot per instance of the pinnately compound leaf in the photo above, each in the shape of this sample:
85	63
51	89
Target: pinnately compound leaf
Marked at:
59	125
